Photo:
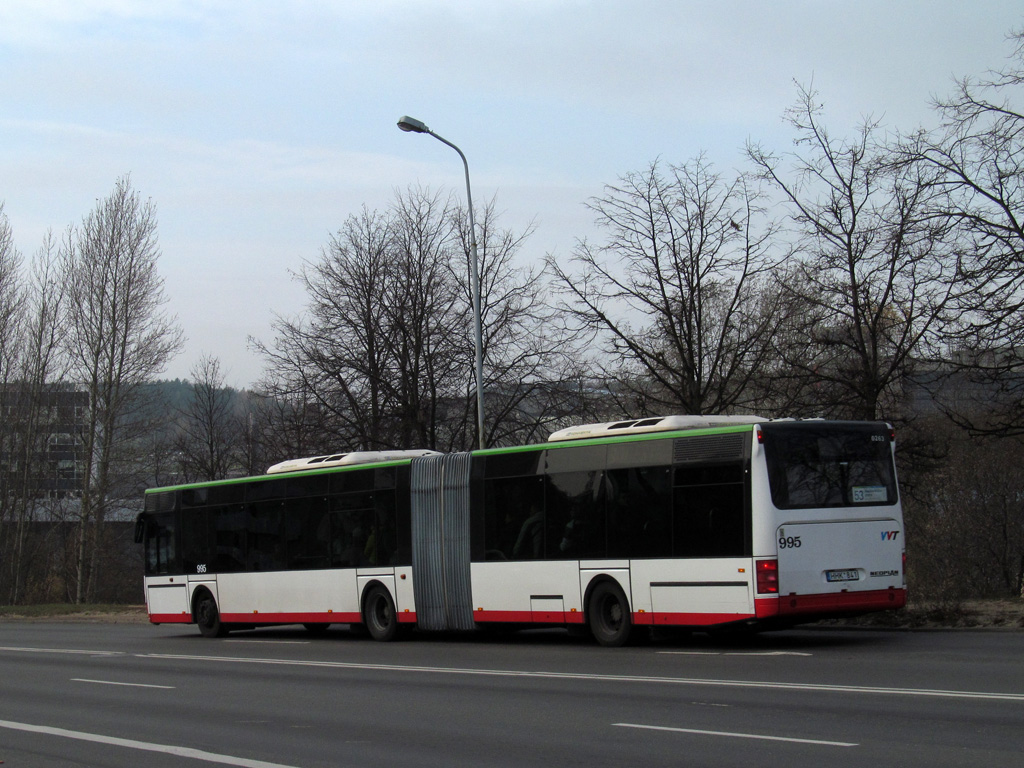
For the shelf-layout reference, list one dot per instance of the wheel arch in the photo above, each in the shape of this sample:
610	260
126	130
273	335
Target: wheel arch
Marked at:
596	581
368	587
201	591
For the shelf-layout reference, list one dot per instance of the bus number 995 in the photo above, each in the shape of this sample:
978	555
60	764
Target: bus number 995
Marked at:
789	542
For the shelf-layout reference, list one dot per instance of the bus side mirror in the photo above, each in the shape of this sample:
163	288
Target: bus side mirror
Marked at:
140	528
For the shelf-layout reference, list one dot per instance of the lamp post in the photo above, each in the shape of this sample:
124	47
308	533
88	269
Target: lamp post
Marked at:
412	125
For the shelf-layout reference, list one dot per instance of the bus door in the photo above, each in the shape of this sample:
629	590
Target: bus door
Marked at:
166	586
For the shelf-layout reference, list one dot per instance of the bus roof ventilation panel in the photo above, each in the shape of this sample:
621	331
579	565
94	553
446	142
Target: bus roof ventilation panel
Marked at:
655	424
346	459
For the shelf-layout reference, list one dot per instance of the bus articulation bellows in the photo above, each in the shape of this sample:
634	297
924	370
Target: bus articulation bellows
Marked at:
683	521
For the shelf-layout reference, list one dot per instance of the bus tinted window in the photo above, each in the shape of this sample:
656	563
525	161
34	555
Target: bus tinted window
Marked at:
514	518
161	544
307	532
709	521
228	525
829	465
353	543
640	512
575	521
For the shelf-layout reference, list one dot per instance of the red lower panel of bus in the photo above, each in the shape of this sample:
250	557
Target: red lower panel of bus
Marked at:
666	619
170	618
272	618
528	617
339	617
830	603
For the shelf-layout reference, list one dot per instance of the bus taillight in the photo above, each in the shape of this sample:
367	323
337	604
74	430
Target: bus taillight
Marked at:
767	576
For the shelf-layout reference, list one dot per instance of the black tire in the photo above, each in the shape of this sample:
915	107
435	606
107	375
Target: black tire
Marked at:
379	614
316	628
208	617
608	615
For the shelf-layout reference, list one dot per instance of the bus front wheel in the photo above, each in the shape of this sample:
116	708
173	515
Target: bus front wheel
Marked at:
379	614
608	615
208	617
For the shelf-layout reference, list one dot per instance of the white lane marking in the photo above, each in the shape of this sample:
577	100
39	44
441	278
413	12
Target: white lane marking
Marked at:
690	653
734	653
60	650
738	735
605	678
112	682
167	749
270	642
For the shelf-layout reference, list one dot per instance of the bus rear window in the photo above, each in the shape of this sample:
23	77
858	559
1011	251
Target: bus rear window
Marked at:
829	465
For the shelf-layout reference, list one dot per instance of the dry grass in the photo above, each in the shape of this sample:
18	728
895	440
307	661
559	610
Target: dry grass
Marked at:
96	613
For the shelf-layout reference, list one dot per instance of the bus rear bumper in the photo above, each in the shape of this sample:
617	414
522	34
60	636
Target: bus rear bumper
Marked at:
830	604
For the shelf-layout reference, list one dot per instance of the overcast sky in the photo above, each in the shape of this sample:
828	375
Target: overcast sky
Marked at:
257	127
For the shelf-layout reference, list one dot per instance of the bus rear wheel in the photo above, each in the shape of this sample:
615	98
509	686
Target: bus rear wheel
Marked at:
379	614
208	617
608	615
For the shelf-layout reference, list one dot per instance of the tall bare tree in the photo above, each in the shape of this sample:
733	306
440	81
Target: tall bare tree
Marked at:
875	273
117	336
978	155
12	305
680	292
37	419
385	351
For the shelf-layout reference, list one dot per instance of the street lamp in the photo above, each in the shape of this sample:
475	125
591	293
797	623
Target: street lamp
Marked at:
412	125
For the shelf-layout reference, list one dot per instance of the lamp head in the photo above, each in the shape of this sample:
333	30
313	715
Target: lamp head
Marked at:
412	125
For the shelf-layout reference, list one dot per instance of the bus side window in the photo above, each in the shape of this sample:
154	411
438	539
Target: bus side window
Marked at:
265	544
307	533
386	530
353	519
195	541
514	519
575	526
227	524
161	544
640	512
708	511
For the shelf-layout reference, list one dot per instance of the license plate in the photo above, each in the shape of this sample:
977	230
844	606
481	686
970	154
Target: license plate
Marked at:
849	575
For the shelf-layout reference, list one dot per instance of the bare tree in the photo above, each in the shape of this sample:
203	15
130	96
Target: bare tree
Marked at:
40	417
209	428
117	337
12	307
874	272
680	293
978	156
363	351
532	365
385	353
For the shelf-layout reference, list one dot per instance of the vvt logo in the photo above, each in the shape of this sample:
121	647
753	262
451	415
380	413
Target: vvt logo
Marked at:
890	535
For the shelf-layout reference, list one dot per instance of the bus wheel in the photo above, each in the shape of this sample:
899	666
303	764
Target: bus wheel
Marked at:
608	615
208	617
379	614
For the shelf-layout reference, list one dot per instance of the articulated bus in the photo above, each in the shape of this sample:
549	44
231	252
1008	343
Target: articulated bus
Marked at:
680	521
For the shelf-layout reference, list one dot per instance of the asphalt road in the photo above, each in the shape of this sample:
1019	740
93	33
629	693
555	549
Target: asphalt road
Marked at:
120	695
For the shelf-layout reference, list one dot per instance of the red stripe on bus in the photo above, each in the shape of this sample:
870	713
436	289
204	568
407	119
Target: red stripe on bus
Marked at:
529	617
841	602
337	617
170	618
665	619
